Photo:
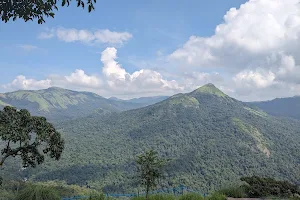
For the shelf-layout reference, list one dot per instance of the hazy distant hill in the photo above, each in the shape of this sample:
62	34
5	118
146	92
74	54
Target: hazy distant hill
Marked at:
284	107
211	138
57	103
145	101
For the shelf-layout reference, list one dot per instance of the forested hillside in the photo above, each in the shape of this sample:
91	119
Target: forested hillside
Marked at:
61	104
283	107
211	139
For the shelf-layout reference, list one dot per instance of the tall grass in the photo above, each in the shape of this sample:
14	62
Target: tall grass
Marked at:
156	197
191	196
38	192
234	192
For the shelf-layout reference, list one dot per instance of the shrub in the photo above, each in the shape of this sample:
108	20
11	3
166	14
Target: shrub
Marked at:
216	196
38	192
191	196
156	197
96	196
234	192
264	187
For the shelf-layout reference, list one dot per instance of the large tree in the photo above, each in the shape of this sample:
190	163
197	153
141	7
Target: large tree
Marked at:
150	169
36	9
29	137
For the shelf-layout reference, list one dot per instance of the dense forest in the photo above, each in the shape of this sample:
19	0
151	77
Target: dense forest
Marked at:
211	139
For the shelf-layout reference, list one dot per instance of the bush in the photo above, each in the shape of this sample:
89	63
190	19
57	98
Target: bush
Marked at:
264	187
96	196
216	196
191	196
156	197
234	192
38	192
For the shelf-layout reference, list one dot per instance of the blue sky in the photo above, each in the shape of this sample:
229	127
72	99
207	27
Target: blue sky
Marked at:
159	34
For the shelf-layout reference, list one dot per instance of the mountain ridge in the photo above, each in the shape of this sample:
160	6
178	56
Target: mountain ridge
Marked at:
211	139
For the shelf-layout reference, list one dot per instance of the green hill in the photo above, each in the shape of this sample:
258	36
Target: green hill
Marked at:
283	107
57	103
211	138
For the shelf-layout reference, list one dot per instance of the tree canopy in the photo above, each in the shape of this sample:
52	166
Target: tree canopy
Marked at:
28	136
150	169
36	9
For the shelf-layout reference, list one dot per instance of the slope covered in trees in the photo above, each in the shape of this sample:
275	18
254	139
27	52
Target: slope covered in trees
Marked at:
57	103
283	107
211	138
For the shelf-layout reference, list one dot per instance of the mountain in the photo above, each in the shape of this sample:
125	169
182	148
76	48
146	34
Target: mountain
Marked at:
211	139
144	101
57	103
284	107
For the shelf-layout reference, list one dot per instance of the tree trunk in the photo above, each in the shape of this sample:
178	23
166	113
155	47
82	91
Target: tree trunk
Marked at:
147	192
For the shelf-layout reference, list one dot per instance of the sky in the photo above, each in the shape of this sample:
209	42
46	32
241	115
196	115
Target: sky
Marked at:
127	49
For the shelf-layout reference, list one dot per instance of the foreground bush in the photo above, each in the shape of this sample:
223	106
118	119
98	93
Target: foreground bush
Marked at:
234	192
216	196
191	196
38	192
265	187
156	197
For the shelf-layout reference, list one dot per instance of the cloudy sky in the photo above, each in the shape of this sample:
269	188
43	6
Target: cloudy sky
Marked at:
249	49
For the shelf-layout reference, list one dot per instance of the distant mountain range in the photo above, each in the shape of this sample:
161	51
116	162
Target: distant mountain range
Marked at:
62	104
211	139
283	107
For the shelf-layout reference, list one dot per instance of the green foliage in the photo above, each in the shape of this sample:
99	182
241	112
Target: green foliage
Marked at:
30	10
234	192
96	196
216	196
156	197
264	187
210	89
208	148
149	169
282	107
38	192
58	104
191	196
28	137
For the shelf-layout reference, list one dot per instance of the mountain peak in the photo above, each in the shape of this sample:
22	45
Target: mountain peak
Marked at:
209	89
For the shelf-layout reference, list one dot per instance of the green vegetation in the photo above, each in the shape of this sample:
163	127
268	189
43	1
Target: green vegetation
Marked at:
282	107
149	170
269	187
210	89
60	104
211	144
28	137
38	192
191	196
30	10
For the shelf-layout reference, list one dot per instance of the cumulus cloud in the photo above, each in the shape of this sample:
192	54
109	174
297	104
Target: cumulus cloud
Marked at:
21	82
115	80
257	44
142	81
104	36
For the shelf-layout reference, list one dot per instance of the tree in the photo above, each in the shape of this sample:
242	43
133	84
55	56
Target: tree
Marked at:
35	9
28	136
150	169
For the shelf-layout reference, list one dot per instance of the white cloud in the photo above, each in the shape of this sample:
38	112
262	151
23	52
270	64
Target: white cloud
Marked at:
79	78
104	36
258	45
21	82
142	81
28	47
115	80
